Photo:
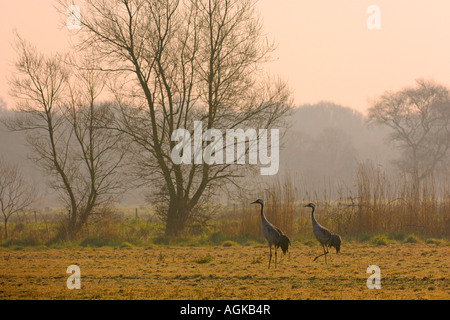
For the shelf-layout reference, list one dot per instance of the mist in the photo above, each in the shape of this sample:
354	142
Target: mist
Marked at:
321	148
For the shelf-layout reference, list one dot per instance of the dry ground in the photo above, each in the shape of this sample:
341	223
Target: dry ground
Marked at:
408	271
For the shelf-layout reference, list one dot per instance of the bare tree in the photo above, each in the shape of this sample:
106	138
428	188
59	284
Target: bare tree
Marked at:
16	195
58	107
420	121
178	62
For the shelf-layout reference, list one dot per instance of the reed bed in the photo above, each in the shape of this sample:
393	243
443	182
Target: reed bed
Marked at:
377	204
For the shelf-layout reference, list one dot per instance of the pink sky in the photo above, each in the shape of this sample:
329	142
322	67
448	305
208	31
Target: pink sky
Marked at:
325	50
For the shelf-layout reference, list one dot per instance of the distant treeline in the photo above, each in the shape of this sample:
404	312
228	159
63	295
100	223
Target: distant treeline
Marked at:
324	143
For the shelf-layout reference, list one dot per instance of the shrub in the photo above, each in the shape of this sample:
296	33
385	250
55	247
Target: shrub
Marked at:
379	240
229	243
437	242
412	239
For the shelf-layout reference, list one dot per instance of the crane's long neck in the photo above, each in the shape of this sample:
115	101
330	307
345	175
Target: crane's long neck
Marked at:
263	218
314	221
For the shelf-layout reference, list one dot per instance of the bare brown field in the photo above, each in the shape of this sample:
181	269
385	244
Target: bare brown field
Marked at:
408	271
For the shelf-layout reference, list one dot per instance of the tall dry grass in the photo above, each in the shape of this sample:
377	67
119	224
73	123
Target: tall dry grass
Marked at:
279	208
377	203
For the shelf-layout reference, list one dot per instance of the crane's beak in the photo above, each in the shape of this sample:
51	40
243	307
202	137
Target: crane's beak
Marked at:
254	202
306	206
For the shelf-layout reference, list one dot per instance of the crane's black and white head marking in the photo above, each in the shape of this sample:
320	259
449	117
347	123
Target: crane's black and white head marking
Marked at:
311	205
258	201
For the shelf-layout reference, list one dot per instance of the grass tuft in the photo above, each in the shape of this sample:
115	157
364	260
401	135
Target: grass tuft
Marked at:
412	238
205	259
437	242
379	240
229	243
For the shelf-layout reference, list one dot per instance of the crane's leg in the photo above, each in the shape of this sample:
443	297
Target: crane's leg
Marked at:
270	255
328	250
275	256
325	252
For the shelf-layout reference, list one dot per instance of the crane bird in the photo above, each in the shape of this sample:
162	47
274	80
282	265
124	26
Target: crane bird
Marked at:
324	236
274	235
335	241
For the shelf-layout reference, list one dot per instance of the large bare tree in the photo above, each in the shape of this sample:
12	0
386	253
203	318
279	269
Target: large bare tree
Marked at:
419	117
176	62
58	106
16	195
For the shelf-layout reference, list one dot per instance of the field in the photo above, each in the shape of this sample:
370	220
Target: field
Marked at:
230	271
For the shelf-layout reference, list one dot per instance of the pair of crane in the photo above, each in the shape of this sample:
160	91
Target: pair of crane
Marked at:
275	237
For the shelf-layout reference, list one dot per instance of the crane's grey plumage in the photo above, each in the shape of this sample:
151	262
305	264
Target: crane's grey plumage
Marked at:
335	241
275	237
324	236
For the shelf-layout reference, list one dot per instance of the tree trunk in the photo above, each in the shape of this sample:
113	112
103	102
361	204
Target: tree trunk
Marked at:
72	226
6	228
177	216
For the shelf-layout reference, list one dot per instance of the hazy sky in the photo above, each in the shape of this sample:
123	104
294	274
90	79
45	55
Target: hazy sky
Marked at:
325	49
